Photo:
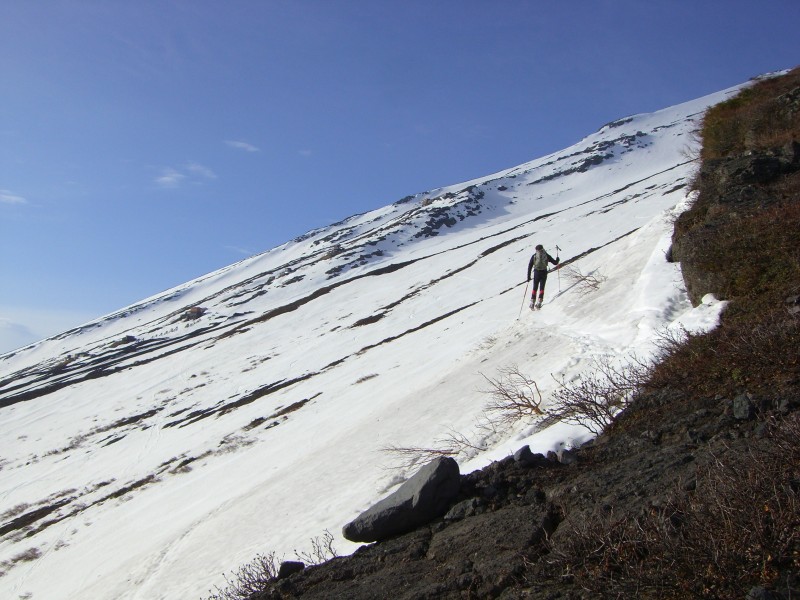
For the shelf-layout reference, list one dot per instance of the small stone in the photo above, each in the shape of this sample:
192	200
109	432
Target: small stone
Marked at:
526	458
566	457
761	593
290	567
462	510
523	454
743	408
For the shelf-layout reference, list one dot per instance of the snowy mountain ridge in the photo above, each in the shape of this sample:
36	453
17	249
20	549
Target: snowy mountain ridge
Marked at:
148	452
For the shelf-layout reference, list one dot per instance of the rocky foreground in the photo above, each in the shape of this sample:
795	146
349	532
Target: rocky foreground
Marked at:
517	522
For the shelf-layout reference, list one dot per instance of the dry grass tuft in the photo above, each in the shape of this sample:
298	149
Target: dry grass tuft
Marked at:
739	528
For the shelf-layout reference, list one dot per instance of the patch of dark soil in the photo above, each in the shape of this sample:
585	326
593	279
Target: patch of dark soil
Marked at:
129	488
29	518
368	320
292	407
133	419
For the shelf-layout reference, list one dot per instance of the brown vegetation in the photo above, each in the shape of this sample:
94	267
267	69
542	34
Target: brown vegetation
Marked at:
737	526
740	527
743	233
513	396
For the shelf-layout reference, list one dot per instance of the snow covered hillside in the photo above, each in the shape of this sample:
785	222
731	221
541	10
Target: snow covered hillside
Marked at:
149	452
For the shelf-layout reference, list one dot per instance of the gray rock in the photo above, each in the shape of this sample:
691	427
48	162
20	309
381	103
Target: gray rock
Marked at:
424	497
525	457
761	593
290	567
566	457
467	508
489	492
743	408
786	405
793	305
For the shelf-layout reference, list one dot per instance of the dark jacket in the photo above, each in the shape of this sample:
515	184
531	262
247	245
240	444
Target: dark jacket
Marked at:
550	259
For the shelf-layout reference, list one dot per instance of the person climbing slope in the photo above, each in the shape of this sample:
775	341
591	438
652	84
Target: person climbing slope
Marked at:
538	264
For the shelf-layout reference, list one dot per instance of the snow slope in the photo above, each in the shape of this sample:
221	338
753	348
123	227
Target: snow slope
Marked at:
145	454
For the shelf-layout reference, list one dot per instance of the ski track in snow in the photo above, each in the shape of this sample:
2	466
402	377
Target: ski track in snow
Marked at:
163	447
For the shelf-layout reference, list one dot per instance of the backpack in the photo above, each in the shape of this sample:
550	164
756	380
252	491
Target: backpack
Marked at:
540	261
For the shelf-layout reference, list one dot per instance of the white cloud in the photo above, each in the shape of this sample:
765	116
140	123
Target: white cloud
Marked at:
193	173
7	197
241	145
170	178
304	152
201	171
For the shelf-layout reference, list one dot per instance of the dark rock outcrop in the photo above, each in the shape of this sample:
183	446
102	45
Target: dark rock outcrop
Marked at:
424	497
527	458
290	567
731	187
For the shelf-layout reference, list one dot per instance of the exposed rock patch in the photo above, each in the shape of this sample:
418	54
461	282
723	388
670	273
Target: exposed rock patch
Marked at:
427	495
733	188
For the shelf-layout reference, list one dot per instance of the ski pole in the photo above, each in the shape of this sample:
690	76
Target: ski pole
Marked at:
524	295
558	268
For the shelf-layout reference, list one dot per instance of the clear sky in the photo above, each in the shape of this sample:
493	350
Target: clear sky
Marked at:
146	143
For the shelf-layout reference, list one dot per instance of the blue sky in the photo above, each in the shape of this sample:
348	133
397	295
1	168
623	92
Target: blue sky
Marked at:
146	143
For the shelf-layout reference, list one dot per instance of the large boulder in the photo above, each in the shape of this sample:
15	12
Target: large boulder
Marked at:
424	497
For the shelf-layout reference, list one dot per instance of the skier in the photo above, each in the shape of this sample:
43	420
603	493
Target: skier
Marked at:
538	264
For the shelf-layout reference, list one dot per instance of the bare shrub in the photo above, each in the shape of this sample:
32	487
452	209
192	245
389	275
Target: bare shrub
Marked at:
462	444
585	284
758	116
451	444
755	353
597	396
606	554
487	342
745	513
13	512
514	396
691	150
322	550
409	457
28	555
74	442
248	579
739	528
233	442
